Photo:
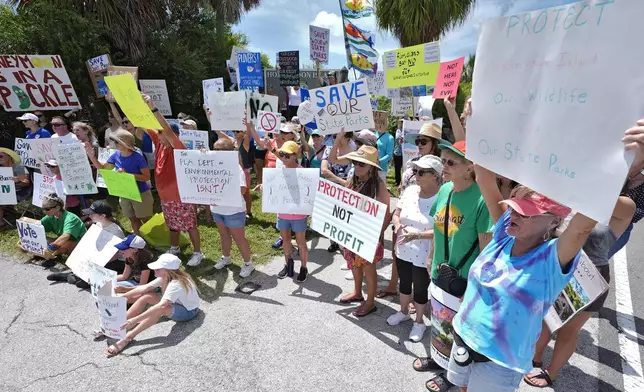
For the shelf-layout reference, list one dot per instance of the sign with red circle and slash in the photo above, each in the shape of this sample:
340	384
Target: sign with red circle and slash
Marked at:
268	121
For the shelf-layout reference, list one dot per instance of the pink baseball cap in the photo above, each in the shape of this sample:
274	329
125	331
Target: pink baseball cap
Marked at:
537	204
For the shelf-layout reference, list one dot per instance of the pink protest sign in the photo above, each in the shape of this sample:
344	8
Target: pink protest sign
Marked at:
449	75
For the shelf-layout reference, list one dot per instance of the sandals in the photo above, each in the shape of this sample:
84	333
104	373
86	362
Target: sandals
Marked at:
441	382
348	298
117	348
383	294
425	365
541	376
359	312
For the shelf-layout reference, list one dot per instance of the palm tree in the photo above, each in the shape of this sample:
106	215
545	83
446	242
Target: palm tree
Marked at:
420	21
468	70
230	11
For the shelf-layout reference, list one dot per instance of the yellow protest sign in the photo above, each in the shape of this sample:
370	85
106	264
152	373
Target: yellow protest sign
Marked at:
128	96
121	184
412	66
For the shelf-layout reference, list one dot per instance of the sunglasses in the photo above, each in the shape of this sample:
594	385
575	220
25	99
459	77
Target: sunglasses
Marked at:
450	162
48	208
421	173
360	164
58	124
285	155
238	131
421	142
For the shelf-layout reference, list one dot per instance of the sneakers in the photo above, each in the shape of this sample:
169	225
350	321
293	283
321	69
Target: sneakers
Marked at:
195	259
417	332
349	275
398	318
223	263
278	243
246	270
290	264
304	273
344	267
73	279
334	247
174	250
283	273
59	276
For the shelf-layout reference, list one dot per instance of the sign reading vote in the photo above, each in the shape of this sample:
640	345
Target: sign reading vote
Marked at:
74	169
208	177
348	218
250	70
33	237
542	95
412	66
35	82
289	191
344	105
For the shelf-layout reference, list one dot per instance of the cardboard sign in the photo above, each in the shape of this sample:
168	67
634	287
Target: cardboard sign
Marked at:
96	245
443	307
123	88
208	178
112	312
115	70
376	83
98	276
412	66
227	110
345	105
534	70
99	64
33	237
7	187
35	82
289	63
193	139
268	122
158	91
319	44
121	184
381	121
250	71
339	211
215	85
402	107
75	169
43	186
97	68
449	76
289	191
257	102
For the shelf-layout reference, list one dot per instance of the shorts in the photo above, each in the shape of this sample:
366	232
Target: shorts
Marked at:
127	283
179	216
598	303
296	226
247	175
180	313
355	261
144	209
234	221
149	156
483	376
260	154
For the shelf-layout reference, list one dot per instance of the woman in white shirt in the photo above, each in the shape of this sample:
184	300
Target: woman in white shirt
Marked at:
414	225
178	300
294	100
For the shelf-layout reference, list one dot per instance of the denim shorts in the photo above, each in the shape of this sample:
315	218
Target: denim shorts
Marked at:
127	283
296	226
180	313
234	221
483	376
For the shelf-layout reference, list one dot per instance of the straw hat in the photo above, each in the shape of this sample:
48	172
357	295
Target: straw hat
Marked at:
14	157
431	130
123	137
365	154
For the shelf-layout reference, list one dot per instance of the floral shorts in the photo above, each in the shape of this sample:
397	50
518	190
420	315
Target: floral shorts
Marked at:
179	216
355	261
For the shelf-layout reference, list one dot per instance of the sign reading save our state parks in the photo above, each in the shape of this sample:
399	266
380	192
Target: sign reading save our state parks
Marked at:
345	105
542	96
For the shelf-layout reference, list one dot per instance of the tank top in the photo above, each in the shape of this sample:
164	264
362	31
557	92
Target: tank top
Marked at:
316	163
246	157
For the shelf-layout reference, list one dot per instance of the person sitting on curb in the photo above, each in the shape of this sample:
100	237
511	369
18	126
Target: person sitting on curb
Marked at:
137	258
69	229
178	300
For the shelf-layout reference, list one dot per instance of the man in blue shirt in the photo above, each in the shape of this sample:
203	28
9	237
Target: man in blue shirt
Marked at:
385	152
34	131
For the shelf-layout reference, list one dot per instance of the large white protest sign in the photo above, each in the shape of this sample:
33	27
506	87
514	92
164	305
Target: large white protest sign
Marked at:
96	246
33	152
227	110
23	148
339	211
234	62
103	155
289	191
319	44
215	85
193	139
543	84
409	149
112	311
75	169
208	177
45	185
7	187
345	105
158	92
376	83
306	112
257	102
268	122
98	276
35	82
33	237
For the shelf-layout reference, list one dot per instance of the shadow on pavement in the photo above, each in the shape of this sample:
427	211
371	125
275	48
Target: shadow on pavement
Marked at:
179	331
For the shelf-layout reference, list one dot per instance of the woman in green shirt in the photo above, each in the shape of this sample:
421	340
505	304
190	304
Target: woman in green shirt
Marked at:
68	227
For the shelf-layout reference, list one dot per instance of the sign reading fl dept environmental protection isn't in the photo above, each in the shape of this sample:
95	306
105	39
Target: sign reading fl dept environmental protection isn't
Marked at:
542	96
345	105
208	177
289	191
348	218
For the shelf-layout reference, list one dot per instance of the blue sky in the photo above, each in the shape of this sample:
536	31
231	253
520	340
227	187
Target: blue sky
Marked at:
279	25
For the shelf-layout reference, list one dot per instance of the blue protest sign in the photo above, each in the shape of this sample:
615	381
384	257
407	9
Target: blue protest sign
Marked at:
250	70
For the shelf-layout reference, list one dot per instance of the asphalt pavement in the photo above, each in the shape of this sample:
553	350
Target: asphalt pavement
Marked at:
283	337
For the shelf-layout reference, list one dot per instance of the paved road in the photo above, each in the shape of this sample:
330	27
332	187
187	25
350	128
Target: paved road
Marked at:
284	337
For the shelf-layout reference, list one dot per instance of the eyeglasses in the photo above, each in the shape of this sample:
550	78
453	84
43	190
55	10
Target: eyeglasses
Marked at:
58	124
285	155
450	162
421	173
39	115
48	208
360	164
421	142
